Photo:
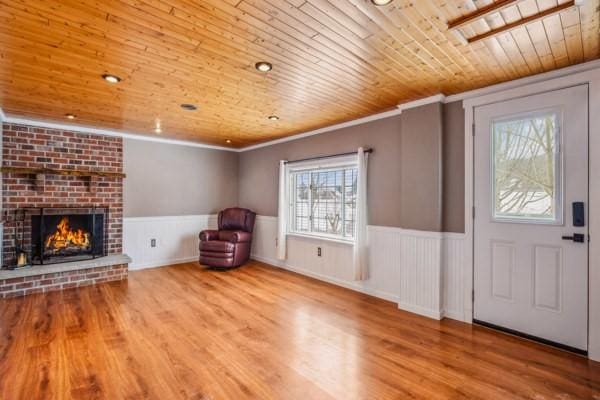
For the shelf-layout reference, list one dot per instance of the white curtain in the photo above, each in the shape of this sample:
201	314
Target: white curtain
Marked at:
282	214
361	256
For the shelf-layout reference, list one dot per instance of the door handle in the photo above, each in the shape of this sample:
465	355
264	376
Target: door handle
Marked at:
577	238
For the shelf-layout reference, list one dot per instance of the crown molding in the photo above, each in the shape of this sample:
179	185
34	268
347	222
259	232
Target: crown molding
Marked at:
544	76
107	132
329	128
436	98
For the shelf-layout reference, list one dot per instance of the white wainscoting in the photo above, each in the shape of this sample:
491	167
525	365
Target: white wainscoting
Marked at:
421	271
176	239
454	264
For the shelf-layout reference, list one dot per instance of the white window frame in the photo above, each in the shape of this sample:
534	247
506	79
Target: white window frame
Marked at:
558	218
322	165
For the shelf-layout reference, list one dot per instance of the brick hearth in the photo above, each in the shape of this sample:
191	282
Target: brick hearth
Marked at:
40	148
42	279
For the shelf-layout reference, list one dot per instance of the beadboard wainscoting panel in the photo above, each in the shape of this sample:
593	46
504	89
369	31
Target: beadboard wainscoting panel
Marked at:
264	240
454	263
421	271
176	239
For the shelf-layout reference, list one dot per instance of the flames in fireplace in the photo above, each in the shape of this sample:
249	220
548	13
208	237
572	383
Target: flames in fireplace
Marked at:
67	239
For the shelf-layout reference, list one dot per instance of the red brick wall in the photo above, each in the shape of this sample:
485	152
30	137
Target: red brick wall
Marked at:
32	147
16	287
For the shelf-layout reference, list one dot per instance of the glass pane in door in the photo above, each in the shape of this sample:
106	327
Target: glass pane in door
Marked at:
526	168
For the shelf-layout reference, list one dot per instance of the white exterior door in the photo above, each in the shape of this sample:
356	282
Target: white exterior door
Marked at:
530	235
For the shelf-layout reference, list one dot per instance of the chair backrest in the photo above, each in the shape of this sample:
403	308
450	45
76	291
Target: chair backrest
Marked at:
237	219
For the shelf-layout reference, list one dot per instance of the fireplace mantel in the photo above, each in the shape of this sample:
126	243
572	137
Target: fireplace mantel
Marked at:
66	172
40	175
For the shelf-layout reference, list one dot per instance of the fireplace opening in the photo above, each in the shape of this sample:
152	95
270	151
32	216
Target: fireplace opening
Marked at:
66	240
62	235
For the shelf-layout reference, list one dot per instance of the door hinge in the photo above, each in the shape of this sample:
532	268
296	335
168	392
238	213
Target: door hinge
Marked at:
473	295
473	129
473	212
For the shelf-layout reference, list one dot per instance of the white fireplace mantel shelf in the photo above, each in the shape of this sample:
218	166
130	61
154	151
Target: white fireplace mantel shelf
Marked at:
113	259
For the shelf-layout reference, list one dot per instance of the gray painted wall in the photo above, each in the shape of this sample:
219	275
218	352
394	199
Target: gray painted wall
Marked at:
168	179
453	147
259	168
421	168
411	183
416	173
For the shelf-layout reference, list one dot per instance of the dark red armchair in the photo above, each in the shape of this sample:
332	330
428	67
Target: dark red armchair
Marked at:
229	246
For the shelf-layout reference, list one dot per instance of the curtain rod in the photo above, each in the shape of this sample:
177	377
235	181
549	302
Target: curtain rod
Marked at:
369	150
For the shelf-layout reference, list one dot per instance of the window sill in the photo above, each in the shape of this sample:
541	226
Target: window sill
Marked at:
322	238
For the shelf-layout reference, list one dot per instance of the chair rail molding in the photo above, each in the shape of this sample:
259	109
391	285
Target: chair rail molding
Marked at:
418	270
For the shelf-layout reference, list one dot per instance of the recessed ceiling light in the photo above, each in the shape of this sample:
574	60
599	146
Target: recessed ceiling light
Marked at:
273	118
70	116
189	107
111	78
228	141
263	66
381	2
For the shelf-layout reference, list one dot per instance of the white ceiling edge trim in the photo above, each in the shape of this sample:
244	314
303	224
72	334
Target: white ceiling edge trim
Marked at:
2	115
108	132
543	76
330	128
436	98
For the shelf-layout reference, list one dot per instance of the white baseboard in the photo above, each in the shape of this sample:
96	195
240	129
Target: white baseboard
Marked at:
158	264
267	260
348	285
421	311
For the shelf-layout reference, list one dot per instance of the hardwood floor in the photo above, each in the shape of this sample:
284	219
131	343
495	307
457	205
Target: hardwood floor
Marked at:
183	332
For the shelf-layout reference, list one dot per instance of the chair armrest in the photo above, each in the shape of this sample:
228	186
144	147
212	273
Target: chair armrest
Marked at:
235	236
209	234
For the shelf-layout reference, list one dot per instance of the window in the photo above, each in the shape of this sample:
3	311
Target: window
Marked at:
527	168
323	201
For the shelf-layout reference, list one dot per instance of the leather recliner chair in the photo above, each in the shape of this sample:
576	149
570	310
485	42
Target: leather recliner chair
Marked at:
229	246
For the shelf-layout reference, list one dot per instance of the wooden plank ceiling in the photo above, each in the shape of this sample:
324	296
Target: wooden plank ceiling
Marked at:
333	60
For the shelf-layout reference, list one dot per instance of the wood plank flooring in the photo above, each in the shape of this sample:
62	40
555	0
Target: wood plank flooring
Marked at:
258	332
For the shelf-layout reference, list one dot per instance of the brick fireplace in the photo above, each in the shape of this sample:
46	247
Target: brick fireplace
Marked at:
49	171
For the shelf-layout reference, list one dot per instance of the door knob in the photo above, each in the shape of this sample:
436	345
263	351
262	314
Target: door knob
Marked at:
577	238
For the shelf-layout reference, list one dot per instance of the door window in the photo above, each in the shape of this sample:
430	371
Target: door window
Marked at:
526	168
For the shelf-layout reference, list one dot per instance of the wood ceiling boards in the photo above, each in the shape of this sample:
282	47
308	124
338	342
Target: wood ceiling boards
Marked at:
333	60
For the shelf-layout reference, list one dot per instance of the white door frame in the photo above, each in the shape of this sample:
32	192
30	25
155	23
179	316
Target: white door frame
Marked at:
557	80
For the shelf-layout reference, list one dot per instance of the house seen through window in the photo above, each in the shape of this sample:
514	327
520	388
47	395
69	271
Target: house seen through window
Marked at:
324	202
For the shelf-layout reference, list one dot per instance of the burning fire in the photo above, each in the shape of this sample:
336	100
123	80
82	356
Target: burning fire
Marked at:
65	237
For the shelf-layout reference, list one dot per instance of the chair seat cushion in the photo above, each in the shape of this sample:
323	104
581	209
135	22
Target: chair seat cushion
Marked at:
219	246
